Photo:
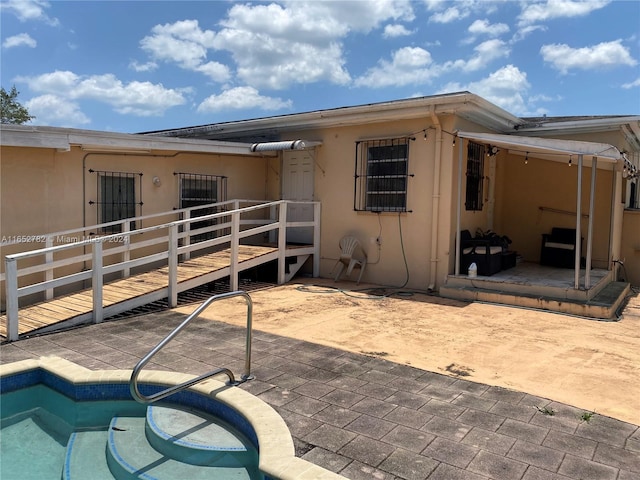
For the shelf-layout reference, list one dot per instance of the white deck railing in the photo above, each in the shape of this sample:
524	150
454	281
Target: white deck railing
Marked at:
148	248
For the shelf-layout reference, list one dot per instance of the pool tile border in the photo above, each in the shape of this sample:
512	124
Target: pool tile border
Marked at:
270	432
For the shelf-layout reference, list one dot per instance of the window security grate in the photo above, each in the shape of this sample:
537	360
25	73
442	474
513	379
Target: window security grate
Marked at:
381	175
116	193
198	189
475	176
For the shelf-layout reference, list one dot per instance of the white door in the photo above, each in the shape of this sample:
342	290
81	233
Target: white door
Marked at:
297	185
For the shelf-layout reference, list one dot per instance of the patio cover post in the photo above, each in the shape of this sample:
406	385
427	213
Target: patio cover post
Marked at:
459	203
587	273
578	232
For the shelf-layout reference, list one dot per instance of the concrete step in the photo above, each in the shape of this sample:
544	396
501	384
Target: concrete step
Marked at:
602	307
131	456
198	439
86	453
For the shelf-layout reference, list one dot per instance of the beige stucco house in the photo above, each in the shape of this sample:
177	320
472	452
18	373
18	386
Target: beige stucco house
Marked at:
404	177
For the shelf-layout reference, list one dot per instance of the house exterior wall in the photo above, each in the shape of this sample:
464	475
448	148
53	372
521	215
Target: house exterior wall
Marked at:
630	252
405	237
45	191
540	195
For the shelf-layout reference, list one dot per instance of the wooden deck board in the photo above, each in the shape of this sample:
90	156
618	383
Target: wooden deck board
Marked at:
67	307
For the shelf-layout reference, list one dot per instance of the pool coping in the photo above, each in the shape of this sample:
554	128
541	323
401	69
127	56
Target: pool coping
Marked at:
276	449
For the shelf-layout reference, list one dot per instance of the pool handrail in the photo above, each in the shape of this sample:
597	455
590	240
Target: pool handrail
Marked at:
133	382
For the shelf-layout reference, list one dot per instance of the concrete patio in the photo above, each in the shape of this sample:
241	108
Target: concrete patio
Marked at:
370	418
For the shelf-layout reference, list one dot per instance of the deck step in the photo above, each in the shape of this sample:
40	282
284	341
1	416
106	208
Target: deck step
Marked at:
131	456
86	453
602	307
294	266
198	439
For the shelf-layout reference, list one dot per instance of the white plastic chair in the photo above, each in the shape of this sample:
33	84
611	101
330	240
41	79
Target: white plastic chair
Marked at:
348	247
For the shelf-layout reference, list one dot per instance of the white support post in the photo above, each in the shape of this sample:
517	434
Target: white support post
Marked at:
235	239
282	243
316	239
186	240
173	266
576	279
459	208
273	216
11	289
48	258
97	280
126	255
587	273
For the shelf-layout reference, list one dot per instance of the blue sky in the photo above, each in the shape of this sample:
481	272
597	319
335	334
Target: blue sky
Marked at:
150	65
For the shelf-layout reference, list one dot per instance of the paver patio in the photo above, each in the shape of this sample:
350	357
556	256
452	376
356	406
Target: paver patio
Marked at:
369	418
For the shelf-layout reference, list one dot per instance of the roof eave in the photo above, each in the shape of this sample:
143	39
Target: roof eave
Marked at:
465	104
63	139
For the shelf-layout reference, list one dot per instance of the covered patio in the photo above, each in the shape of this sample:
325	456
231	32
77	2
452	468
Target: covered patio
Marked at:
528	197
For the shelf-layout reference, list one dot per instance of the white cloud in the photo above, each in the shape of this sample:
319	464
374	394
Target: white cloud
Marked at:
414	65
54	110
396	30
409	65
451	14
552	9
241	98
506	87
447	11
606	54
635	83
135	98
485	53
187	45
19	40
143	67
483	27
29	10
524	32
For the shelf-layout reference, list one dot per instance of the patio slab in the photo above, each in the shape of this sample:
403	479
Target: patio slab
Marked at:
366	417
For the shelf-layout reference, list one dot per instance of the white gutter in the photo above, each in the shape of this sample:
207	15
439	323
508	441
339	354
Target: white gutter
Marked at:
607	153
62	139
595	124
466	104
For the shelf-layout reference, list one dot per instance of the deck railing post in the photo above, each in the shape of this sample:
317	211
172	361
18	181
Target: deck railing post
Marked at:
235	239
126	255
282	242
97	280
173	266
48	276
316	239
11	288
186	240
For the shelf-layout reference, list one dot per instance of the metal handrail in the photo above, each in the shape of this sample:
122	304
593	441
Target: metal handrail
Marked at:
133	382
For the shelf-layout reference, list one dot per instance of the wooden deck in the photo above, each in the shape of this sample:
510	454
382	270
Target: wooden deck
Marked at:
136	290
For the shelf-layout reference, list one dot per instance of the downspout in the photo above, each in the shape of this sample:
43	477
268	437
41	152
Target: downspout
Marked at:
435	227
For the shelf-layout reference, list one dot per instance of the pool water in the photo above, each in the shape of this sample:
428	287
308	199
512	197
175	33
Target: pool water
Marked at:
37	422
47	441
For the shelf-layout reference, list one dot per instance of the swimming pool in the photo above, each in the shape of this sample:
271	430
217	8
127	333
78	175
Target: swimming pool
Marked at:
57	405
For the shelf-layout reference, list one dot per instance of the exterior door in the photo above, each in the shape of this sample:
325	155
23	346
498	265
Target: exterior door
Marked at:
297	185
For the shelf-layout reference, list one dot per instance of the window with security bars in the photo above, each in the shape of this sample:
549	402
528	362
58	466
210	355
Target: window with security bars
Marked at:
381	175
475	176
197	189
116	193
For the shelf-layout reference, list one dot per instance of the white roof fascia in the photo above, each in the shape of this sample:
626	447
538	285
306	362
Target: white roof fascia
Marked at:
465	104
585	125
62	139
605	152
